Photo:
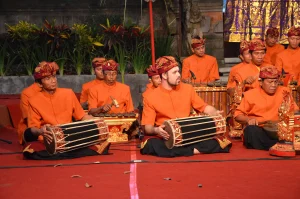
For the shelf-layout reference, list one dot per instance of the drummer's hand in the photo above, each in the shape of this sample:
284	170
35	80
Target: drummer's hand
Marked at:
46	134
249	80
252	121
105	108
161	132
212	111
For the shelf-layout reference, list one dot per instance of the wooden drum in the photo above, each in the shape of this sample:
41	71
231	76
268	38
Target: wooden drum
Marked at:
76	135
190	130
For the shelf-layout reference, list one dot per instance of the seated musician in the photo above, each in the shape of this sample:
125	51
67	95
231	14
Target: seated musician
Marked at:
171	100
248	75
154	78
245	56
201	67
97	65
26	94
52	106
273	48
288	60
102	97
259	106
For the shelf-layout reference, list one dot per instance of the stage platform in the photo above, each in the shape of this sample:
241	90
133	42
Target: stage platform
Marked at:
125	173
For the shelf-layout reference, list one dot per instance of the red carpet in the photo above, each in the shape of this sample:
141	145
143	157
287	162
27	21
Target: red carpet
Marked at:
239	174
242	173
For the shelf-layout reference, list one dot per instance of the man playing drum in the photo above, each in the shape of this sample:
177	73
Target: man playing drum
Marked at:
154	78
102	96
203	66
171	100
52	106
260	105
97	65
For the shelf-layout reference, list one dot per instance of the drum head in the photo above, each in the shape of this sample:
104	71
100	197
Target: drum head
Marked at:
51	148
170	142
271	129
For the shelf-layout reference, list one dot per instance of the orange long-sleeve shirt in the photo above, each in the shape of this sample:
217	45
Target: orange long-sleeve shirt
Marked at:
86	87
270	57
288	60
26	94
257	104
162	104
205	68
231	82
54	109
99	95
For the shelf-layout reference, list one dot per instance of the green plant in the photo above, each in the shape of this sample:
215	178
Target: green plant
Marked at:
163	45
121	58
26	35
141	59
6	58
84	45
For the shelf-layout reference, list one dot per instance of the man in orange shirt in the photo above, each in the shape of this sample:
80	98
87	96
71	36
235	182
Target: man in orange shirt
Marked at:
203	66
248	75
154	79
245	56
102	97
273	48
259	106
97	65
52	106
171	100
288	60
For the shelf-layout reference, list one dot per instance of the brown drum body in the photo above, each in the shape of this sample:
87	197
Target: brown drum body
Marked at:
76	135
215	96
190	130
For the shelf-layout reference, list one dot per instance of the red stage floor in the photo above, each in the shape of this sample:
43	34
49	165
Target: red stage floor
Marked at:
239	174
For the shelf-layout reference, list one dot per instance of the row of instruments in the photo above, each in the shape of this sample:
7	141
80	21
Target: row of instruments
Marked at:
120	127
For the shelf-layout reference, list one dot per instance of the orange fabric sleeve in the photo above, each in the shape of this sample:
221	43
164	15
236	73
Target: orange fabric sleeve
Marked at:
24	105
78	111
34	118
149	113
92	98
242	108
185	69
279	63
84	94
214	73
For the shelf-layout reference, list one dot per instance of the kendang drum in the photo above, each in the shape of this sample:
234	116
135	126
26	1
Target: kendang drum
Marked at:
215	95
190	130
76	135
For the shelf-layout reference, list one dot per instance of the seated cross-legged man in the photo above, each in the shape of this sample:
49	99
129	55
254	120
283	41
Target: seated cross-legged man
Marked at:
50	107
102	97
173	99
259	107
